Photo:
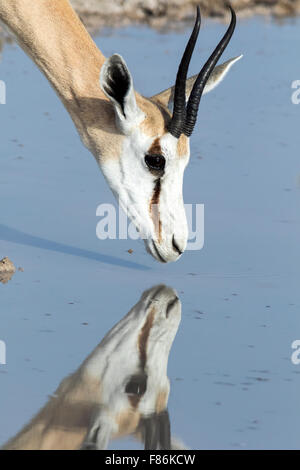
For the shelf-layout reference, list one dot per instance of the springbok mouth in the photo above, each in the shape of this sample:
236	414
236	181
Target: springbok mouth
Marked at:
153	248
159	256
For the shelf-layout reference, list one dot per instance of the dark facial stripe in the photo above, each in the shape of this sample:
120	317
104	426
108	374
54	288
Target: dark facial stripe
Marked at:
144	336
155	148
154	209
156	193
134	399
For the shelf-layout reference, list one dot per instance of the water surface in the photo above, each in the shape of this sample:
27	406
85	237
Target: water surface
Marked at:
233	384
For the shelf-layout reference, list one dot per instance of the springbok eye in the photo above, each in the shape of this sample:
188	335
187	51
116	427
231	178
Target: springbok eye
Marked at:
137	385
155	162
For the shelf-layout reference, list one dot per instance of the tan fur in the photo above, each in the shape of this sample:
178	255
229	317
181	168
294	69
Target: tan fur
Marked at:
128	422
161	401
157	117
51	33
53	36
182	145
62	423
155	124
65	419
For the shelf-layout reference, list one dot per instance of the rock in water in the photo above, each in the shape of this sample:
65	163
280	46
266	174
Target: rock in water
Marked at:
7	269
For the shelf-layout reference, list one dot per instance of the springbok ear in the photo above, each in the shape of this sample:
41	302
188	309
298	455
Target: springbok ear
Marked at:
166	97
116	82
217	75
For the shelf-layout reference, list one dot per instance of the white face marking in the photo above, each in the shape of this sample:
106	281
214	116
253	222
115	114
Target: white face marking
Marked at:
152	200
138	345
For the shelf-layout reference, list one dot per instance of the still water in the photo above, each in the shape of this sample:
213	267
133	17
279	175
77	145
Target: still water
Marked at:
228	381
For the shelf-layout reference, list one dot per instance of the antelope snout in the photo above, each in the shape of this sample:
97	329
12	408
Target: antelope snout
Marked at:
166	249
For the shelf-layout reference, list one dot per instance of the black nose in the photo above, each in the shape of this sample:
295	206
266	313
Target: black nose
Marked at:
176	247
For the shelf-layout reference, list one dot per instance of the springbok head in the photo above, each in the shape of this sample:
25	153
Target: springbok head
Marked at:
147	178
131	366
120	389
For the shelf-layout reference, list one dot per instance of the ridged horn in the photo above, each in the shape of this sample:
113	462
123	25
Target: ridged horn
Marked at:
179	109
197	90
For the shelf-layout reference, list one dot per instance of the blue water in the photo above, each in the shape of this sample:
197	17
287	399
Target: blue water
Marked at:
233	384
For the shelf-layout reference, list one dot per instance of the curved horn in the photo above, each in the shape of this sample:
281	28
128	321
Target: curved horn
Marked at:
179	110
196	93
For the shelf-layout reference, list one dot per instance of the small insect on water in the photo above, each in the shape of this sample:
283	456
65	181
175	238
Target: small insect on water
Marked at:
141	144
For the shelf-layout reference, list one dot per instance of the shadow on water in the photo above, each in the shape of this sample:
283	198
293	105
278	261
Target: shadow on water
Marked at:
17	236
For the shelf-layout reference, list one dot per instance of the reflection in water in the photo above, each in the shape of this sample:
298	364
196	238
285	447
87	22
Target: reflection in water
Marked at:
121	388
5	277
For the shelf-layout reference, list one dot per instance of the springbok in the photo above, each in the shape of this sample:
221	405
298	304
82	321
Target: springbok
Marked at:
120	389
141	147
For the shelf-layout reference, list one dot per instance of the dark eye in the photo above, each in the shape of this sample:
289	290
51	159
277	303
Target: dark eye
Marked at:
155	162
136	385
